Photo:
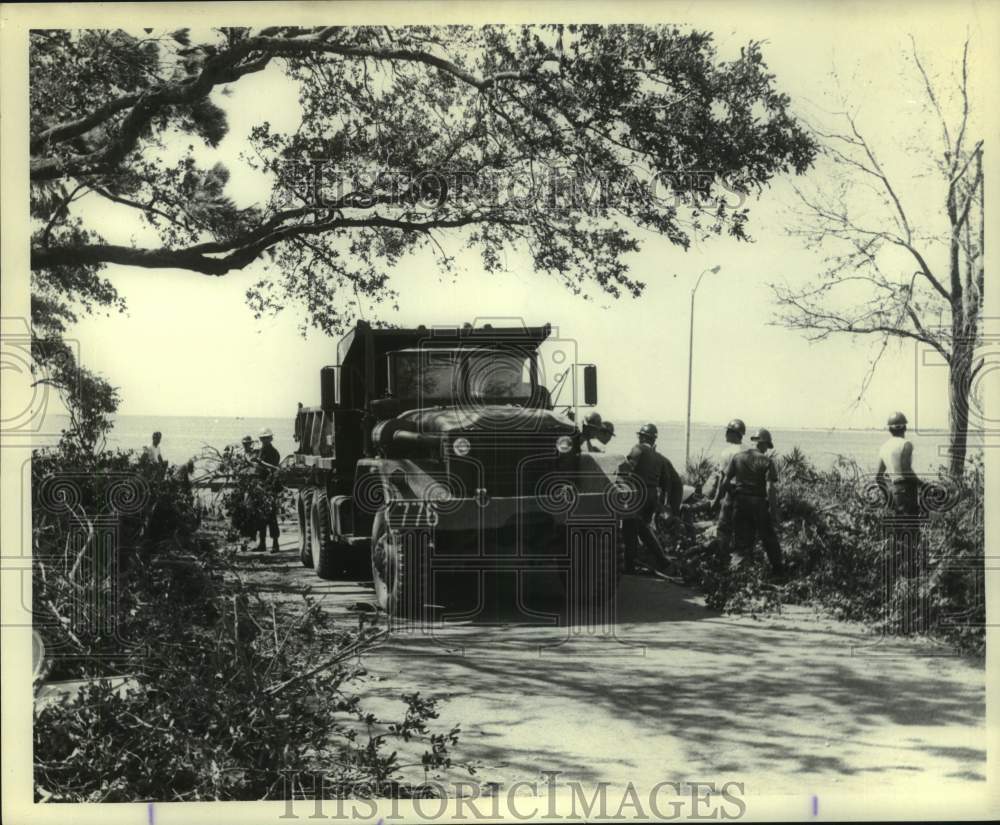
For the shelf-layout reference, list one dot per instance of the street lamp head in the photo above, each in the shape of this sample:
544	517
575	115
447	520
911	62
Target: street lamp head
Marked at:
715	269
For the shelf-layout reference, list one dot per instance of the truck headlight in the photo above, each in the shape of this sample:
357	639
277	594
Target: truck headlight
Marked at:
564	444
461	446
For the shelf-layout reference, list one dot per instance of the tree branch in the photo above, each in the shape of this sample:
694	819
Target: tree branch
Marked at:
75	128
965	99
933	97
195	260
220	69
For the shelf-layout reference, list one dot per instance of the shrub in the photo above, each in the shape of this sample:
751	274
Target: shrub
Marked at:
224	710
247	500
834	539
700	470
225	692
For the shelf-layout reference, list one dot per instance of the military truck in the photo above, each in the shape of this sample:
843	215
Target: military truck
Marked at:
439	457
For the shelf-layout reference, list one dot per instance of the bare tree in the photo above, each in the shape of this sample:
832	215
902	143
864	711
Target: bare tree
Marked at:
880	277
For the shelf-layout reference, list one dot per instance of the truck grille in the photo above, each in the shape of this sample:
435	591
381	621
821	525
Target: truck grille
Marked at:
505	464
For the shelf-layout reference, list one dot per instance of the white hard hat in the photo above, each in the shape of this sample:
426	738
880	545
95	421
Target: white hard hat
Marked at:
265	433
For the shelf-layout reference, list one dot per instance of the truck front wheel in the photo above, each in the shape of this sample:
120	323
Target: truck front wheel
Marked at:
399	577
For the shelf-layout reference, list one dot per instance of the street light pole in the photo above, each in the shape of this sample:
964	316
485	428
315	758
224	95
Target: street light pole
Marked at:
687	438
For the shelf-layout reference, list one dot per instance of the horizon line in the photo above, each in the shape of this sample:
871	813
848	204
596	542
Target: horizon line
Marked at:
672	422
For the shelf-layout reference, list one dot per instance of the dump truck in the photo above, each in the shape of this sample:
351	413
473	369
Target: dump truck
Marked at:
438	458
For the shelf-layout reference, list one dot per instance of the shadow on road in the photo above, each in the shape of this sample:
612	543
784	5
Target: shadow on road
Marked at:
672	687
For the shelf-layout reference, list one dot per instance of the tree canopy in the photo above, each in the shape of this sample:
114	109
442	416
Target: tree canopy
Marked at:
560	140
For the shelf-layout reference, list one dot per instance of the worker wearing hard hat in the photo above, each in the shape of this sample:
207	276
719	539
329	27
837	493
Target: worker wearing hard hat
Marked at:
735	430
750	479
268	460
660	491
895	465
594	428
606	433
895	475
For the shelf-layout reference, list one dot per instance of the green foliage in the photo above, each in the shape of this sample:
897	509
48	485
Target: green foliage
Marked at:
618	128
224	704
73	493
248	498
224	693
699	470
833	536
89	400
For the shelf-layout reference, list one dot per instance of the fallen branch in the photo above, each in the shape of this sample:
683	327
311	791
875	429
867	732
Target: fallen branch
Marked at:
358	646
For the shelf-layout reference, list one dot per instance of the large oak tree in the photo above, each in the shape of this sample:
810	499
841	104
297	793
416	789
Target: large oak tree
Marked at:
491	134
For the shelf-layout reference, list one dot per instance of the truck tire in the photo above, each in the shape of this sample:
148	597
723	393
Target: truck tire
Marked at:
400	580
324	554
304	508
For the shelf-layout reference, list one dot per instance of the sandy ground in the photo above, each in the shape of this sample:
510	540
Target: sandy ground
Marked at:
792	704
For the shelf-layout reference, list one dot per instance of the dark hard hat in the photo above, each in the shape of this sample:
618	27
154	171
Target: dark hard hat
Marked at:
649	429
762	435
247	440
897	420
737	426
593	419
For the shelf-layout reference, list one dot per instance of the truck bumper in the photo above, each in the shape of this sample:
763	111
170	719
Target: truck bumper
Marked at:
498	513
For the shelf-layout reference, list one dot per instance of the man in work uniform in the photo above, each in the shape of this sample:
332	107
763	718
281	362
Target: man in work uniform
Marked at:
268	460
660	491
248	453
895	475
595	429
605	435
750	478
735	430
153	453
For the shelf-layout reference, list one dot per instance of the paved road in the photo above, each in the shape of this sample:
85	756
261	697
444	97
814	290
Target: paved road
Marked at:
789	705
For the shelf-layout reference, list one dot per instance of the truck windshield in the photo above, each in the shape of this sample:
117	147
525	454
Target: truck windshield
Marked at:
446	376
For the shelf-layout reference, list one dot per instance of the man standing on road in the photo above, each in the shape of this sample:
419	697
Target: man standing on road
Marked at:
735	430
268	460
246	467
750	478
660	491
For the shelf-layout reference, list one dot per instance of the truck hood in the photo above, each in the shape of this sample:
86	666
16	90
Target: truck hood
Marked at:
486	418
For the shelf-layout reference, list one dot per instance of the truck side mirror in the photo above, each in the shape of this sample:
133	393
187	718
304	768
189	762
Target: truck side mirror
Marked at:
590	385
329	387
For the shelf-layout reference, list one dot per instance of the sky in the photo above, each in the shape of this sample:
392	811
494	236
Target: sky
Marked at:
188	345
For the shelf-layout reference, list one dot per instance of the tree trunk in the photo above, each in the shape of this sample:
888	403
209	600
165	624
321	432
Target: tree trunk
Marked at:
959	386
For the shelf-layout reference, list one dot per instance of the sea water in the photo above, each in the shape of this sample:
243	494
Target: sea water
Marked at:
187	437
